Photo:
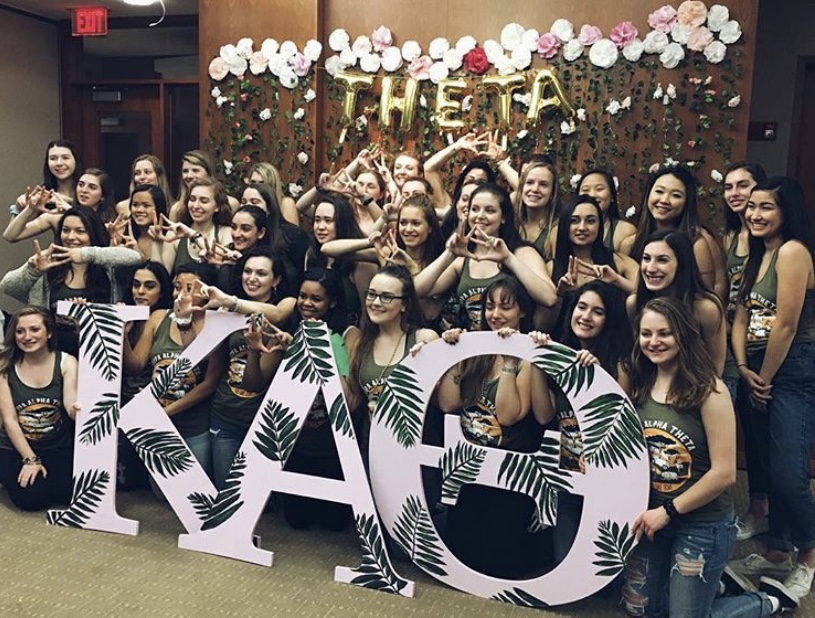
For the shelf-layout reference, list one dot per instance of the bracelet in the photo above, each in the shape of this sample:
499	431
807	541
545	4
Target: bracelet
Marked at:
196	236
32	461
234	306
742	365
513	369
670	509
182	323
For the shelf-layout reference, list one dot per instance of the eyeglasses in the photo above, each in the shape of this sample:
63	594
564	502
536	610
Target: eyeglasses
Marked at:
386	298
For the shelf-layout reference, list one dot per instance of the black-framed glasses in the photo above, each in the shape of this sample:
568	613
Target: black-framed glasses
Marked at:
386	298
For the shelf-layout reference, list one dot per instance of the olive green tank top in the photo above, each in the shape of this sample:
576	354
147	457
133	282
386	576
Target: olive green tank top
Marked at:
469	292
232	402
679	457
735	266
372	376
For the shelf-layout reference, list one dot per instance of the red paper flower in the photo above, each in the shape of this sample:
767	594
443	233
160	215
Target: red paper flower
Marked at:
475	61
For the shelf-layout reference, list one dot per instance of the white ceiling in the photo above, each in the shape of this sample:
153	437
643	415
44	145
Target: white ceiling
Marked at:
61	9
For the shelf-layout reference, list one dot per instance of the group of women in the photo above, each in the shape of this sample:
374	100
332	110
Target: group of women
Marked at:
390	261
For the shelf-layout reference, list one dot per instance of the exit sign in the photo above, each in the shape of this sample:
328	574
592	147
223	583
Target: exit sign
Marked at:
90	21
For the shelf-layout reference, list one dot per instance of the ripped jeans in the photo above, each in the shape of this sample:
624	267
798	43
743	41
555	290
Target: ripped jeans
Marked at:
677	574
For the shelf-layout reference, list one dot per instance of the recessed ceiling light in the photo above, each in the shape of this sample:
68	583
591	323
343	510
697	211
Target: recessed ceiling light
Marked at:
140	2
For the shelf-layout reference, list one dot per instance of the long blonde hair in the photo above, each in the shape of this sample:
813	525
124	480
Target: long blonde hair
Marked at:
11	354
270	176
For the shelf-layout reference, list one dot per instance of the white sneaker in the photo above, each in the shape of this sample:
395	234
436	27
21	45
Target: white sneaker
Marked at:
793	589
734	583
751	526
756	565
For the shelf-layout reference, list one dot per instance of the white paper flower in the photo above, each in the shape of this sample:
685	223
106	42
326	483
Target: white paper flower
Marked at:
563	29
391	59
521	58
716	175
613	107
567	128
215	92
302	157
658	92
467	103
633	51
632	210
574	181
493	50
511	36
735	101
524	99
288	49
672	55
265	114
299	114
670	91
310	95
679	33
573	50
422	101
715	52
288	78
238	66
348	57
410	51
333	65
717	17
276	64
312	50
362	45
626	103
295	190
220	101
655	42
581	114
228	165
229	53
361	122
438	71
504	65
258	63
603	53
437	48
730	32
269	47
244	47
218	69
654	167
465	44
339	40
369	63
452	59
529	39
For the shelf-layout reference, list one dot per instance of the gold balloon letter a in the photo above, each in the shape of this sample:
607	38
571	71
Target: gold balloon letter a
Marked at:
548	78
405	104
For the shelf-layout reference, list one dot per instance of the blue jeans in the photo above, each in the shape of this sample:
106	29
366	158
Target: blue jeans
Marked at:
226	440
677	574
791	416
754	430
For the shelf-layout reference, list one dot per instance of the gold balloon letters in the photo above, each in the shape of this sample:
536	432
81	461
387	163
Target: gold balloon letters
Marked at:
547	92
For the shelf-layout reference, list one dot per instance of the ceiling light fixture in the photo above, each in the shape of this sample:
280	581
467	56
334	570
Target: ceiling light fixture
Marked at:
148	3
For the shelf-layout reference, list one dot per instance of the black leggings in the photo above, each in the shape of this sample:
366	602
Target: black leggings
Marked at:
55	488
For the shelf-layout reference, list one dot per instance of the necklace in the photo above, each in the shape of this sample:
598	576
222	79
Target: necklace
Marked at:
371	401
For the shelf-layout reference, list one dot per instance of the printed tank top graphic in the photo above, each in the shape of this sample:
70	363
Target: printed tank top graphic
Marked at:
571	441
234	373
41	419
762	316
480	425
179	387
671	461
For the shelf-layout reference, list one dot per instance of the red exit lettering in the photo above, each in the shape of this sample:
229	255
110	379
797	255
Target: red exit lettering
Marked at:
90	21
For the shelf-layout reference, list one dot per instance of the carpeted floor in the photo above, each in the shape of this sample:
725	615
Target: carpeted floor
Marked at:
52	572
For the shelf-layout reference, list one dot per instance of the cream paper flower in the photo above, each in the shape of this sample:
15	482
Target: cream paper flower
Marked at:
511	36
717	17
410	51
258	63
333	65
295	190
310	95
391	59
633	51
312	50
573	50
244	48
715	52
465	44
265	114
269	47
438	71
339	40
730	32
529	39
452	59
437	48
288	49
655	42
218	69
362	45
563	29
603	53
521	58
672	55
302	157
299	114
369	63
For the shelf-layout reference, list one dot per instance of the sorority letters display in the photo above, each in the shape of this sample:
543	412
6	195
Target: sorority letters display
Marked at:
613	481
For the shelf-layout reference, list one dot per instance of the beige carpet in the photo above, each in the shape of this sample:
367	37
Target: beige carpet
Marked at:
48	572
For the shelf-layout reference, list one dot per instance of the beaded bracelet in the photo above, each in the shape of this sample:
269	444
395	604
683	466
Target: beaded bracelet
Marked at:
32	461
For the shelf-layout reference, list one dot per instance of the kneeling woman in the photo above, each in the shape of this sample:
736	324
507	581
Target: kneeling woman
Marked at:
687	533
37	404
487	528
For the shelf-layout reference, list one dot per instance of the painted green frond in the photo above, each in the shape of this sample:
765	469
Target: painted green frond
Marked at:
400	406
460	465
102	419
416	534
163	452
277	433
89	489
375	571
614	544
612	433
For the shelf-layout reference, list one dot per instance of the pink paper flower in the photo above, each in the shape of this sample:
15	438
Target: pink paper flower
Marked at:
699	38
300	64
663	19
381	38
589	34
420	68
692	13
623	33
548	45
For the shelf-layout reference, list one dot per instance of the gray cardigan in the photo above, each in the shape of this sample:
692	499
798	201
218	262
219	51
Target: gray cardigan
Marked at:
29	286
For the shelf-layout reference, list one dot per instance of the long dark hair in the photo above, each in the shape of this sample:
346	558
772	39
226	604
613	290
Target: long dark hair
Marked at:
695	378
450	222
474	165
10	355
689	219
434	245
345	226
508	231
600	254
732	220
50	181
159	200
687	286
613	211
97	283
274	218
613	345
278	270
795	225
165	283
336	317
107	206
